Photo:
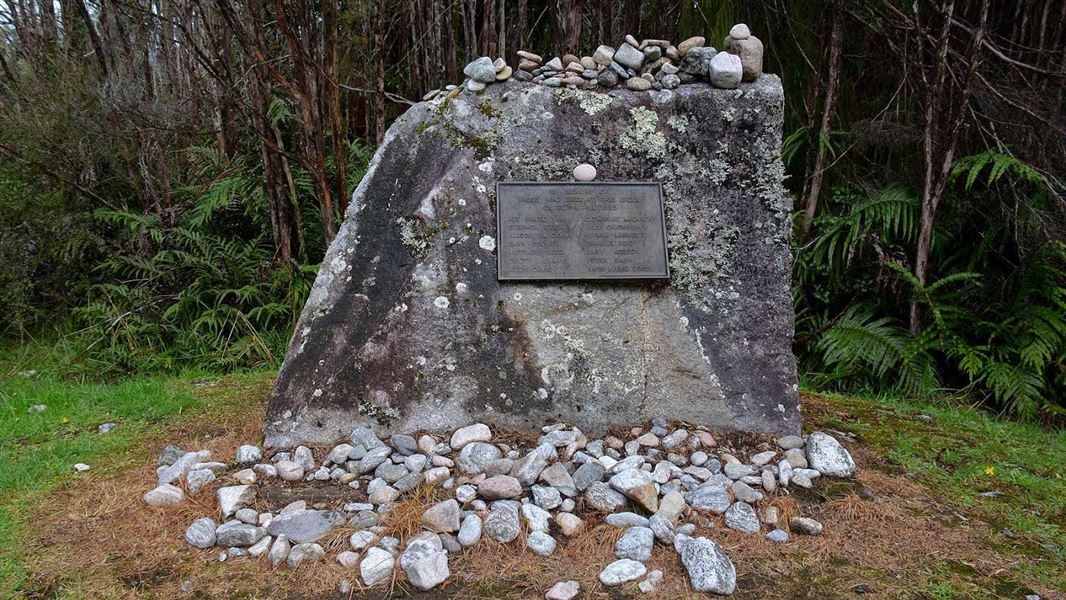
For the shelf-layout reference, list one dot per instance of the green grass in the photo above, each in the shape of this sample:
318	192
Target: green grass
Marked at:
957	453
39	448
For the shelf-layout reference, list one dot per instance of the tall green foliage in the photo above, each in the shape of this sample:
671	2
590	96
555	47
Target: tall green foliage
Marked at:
995	328
202	291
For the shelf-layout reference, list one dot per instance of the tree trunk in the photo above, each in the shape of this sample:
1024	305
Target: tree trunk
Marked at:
568	15
828	110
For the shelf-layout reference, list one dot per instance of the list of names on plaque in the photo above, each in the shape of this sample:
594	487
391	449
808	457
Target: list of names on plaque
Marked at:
580	231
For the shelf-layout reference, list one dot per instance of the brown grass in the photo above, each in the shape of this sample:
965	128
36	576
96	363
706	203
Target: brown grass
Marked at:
94	538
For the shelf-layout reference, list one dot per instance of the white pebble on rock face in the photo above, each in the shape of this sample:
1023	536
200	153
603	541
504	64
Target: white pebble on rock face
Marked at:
584	172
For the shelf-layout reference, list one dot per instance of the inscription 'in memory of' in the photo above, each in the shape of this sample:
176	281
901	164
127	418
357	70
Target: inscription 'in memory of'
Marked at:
580	231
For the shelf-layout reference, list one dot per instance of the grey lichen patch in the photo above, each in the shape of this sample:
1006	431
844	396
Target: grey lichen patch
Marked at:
729	114
541	167
701	250
644	137
378	411
417	236
679	123
718	171
590	102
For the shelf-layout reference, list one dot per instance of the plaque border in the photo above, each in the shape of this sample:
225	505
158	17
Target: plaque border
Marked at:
662	225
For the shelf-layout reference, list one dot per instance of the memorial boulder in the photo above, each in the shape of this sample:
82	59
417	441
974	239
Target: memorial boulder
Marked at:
446	299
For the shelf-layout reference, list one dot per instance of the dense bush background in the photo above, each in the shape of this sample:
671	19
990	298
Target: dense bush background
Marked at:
172	171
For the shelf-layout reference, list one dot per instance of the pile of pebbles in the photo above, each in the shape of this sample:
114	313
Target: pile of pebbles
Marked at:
638	65
660	486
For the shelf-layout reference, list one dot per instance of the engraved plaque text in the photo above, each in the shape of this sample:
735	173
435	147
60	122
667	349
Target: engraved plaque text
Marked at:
580	231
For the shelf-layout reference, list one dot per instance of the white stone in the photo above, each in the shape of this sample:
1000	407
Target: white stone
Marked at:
470	531
164	495
709	568
541	543
289	471
740	31
725	71
304	553
376	566
361	540
248	454
584	172
348	559
563	590
826	455
279	550
569	523
233	497
622	571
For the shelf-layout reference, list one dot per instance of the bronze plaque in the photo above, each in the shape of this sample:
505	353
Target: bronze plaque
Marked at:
580	231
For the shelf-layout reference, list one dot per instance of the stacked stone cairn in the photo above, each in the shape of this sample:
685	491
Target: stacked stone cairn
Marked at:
660	486
637	65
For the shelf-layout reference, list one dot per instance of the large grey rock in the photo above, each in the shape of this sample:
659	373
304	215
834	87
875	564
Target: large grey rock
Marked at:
234	497
622	571
443	516
475	456
628	56
636	543
827	456
601	497
741	517
709	568
709	498
201	534
235	533
376	566
303	526
388	331
502	523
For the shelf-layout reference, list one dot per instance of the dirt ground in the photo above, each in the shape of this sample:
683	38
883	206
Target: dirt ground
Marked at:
884	537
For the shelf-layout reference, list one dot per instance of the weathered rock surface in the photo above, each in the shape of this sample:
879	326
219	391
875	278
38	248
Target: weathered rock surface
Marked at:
708	566
827	456
302	526
407	323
